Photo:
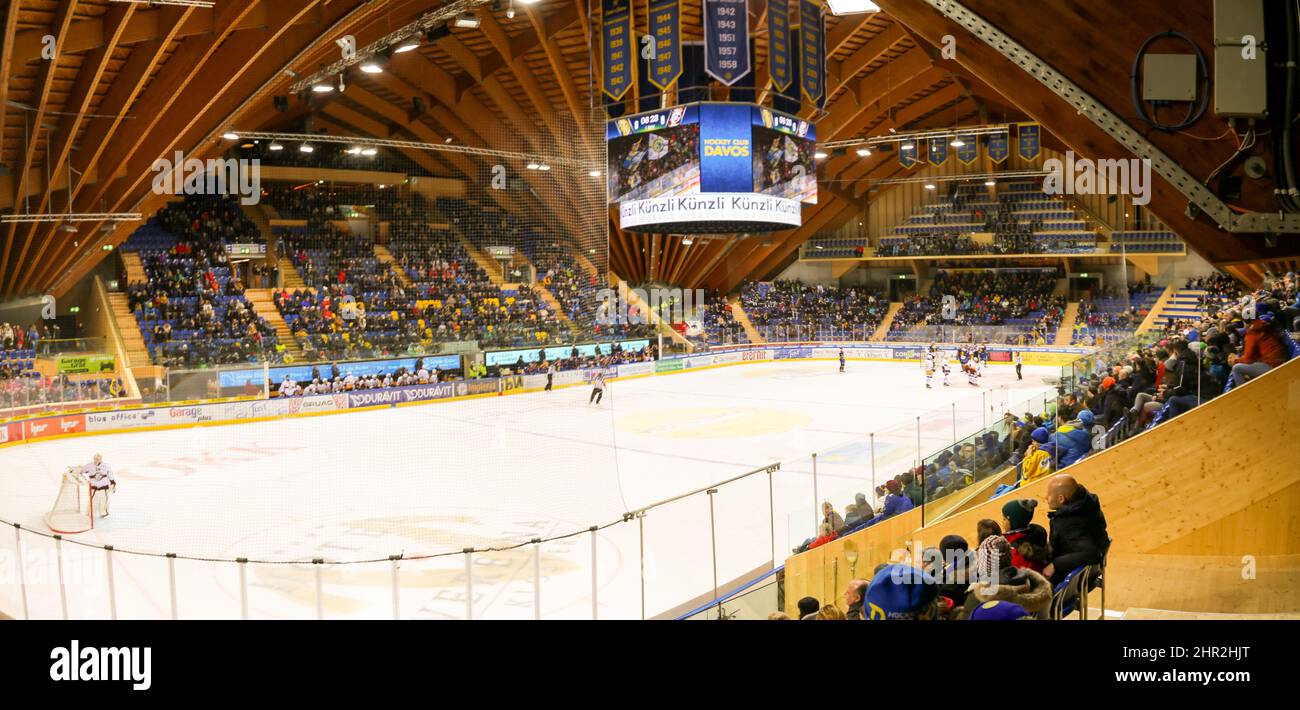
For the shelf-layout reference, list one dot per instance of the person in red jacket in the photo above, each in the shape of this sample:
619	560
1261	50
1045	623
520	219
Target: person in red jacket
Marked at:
1028	541
826	535
1263	350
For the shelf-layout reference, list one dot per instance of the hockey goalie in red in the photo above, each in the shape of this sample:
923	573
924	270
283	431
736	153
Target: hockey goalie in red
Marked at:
83	493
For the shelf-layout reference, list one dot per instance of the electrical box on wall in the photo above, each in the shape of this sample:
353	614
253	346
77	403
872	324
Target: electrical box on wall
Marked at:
1240	64
1169	77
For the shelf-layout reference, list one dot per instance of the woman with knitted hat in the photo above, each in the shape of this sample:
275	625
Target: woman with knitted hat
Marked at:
998	579
1028	540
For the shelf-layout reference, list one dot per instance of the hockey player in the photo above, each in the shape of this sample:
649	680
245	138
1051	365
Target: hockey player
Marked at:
929	361
102	483
841	359
943	363
597	388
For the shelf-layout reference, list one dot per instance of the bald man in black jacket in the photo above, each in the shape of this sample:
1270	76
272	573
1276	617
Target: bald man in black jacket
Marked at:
1078	528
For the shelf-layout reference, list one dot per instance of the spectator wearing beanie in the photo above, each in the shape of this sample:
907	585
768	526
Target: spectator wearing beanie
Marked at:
1028	540
999	580
955	569
1038	457
902	592
808	605
895	502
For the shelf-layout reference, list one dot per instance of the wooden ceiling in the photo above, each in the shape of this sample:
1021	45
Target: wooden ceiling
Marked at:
131	83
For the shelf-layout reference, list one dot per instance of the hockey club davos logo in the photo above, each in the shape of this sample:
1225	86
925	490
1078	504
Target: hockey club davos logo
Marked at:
131	664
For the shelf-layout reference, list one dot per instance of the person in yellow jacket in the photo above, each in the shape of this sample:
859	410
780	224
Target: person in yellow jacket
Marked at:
1038	461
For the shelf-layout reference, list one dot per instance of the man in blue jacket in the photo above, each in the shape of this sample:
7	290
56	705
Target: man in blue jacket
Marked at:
1073	439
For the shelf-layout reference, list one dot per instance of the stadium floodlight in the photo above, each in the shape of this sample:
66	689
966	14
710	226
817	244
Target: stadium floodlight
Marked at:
276	146
908	146
353	151
529	2
323	88
853	7
819	155
687	241
534	166
990	183
407	46
543	167
594	173
370	66
230	136
306	148
864	152
369	151
467	20
957	142
930	186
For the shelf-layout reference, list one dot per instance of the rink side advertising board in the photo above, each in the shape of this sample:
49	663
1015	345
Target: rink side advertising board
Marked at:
711	168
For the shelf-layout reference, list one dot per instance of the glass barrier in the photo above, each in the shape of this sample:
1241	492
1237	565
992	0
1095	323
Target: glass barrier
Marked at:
753	601
53	347
991	334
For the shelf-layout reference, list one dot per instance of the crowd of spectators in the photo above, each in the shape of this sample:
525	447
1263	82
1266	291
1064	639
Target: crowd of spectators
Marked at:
191	309
1018	298
33	389
1012	572
792	310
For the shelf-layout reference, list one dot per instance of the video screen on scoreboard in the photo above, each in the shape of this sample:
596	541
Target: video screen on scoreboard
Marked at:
784	162
654	154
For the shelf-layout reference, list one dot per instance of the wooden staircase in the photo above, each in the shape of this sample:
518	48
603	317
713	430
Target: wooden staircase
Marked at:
1065	333
264	305
883	329
137	353
385	256
289	275
1153	316
629	297
134	267
738	313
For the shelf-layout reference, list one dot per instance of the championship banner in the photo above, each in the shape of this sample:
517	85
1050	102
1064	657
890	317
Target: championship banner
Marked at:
938	151
812	51
969	152
999	147
907	156
666	29
778	32
86	364
616	48
1029	143
726	39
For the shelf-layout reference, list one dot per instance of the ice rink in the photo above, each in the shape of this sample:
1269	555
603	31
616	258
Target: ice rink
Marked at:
482	473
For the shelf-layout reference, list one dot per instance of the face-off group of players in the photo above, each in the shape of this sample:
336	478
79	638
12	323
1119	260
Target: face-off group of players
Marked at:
972	360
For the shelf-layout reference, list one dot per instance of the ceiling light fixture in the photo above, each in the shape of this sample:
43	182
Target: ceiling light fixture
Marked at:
467	20
819	155
306	148
322	88
276	146
853	7
230	136
370	66
407	46
864	152
369	151
957	142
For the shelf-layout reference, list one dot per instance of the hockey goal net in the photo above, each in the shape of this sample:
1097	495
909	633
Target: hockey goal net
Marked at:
72	509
